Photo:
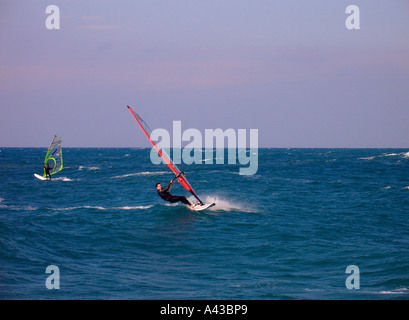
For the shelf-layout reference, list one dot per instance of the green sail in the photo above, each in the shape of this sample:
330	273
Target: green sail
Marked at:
54	156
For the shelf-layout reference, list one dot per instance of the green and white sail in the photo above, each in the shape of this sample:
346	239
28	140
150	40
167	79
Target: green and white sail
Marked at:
54	156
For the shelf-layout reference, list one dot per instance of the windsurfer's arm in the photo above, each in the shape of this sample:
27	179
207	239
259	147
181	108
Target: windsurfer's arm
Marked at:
168	187
170	184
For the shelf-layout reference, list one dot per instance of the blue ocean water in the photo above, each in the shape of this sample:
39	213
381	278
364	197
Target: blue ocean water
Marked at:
288	232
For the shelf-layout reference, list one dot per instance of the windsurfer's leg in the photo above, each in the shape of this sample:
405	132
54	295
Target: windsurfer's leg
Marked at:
185	201
179	198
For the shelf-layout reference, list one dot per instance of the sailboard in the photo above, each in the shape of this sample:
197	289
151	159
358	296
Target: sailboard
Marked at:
180	175
53	158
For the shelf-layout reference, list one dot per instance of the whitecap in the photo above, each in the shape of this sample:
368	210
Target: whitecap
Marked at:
88	168
134	207
396	291
79	207
62	179
225	204
18	208
146	173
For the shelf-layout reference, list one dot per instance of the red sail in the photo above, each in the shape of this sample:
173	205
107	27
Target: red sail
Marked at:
179	174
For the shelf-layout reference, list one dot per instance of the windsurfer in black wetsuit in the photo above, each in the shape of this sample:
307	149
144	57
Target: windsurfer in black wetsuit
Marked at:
47	170
165	195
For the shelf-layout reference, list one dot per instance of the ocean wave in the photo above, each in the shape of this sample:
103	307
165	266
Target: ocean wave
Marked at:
134	207
17	208
2	205
63	179
78	207
400	154
225	205
30	208
92	168
104	208
396	291
146	173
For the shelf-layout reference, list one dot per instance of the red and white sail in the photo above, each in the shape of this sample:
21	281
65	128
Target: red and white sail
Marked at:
179	174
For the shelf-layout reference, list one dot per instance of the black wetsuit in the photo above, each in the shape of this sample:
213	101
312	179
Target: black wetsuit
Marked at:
47	171
165	195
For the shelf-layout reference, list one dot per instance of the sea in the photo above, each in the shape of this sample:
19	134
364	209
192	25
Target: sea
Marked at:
310	224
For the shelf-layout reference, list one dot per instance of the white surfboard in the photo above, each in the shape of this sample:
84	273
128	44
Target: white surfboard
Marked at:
198	207
40	177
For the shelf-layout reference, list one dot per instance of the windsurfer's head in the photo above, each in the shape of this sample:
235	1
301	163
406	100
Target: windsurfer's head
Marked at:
158	186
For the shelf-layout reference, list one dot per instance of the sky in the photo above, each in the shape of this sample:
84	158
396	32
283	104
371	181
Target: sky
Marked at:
290	69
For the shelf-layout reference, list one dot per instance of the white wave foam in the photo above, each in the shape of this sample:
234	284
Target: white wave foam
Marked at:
402	154
154	173
125	176
2	205
14	207
147	173
167	204
17	208
103	208
79	207
63	179
135	208
396	291
225	205
88	168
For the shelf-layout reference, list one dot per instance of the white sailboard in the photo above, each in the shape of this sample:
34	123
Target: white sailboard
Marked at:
199	207
41	177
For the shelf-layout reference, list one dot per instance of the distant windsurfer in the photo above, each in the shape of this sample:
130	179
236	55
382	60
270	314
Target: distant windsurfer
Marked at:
165	195
47	170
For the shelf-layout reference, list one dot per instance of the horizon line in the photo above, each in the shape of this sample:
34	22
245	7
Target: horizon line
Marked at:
138	147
